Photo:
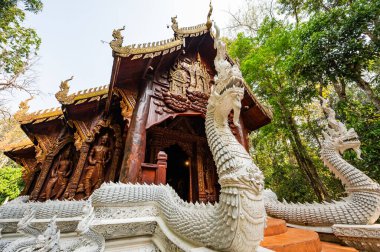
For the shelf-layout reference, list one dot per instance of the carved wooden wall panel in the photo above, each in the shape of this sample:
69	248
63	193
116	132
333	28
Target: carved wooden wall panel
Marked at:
48	161
87	170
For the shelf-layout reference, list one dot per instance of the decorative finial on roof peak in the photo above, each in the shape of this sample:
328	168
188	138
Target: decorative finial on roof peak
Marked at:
62	94
23	109
209	21
117	41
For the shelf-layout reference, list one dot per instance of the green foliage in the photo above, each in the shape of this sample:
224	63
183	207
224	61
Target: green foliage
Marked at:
11	183
17	43
366	121
290	65
337	43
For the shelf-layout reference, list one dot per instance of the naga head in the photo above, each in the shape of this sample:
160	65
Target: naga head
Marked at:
228	90
26	220
87	217
337	136
225	101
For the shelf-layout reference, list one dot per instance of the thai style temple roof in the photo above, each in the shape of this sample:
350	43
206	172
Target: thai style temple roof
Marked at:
81	96
20	145
23	117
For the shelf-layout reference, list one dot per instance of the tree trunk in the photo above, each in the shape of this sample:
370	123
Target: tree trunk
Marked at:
364	85
340	88
303	159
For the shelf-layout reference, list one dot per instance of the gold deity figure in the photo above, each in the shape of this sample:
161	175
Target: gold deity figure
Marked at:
59	176
98	158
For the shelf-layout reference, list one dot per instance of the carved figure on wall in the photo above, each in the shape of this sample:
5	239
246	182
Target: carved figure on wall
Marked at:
179	78
189	87
98	158
199	78
59	176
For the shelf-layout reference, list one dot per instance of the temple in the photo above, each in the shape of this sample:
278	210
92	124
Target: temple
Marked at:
158	160
146	126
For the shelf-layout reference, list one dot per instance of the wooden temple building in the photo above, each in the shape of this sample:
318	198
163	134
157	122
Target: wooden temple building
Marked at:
147	125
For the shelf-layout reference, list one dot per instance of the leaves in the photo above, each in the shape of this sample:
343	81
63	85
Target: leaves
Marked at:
333	52
11	183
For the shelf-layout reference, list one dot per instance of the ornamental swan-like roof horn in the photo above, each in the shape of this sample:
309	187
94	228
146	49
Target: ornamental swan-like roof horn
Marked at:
81	96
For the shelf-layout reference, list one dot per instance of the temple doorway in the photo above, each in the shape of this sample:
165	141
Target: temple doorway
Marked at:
178	171
190	166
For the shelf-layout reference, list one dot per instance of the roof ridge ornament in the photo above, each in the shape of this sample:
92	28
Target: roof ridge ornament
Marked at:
62	95
192	31
209	21
118	39
23	109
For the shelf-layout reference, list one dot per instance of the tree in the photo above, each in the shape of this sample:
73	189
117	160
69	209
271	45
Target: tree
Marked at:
264	61
333	46
18	46
339	44
11	183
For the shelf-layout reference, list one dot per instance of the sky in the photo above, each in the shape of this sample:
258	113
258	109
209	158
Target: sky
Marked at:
75	36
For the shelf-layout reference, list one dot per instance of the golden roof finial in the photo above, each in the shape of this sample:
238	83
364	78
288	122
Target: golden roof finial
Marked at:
117	41
174	23
209	22
62	94
23	109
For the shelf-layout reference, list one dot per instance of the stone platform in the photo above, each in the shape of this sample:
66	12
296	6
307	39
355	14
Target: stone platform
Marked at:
280	238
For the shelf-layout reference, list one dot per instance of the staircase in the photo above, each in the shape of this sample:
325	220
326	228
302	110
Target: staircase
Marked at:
278	237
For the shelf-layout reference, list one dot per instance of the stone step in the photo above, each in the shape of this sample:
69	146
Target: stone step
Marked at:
275	227
278	237
293	240
332	247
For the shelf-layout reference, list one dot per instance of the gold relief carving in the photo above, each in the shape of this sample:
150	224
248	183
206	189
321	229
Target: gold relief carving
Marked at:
179	77
188	75
199	77
62	95
189	88
127	103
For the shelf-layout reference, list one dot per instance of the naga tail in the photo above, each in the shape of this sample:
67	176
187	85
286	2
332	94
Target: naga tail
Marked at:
186	219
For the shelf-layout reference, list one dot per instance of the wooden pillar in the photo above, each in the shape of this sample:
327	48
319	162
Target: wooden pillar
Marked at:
73	184
162	158
135	144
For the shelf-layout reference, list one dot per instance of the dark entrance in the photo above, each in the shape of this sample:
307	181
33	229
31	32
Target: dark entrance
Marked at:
178	171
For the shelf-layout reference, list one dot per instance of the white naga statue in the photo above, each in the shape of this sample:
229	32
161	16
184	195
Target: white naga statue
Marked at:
362	204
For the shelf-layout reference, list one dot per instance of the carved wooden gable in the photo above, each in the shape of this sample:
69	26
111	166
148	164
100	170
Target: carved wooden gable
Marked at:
185	91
